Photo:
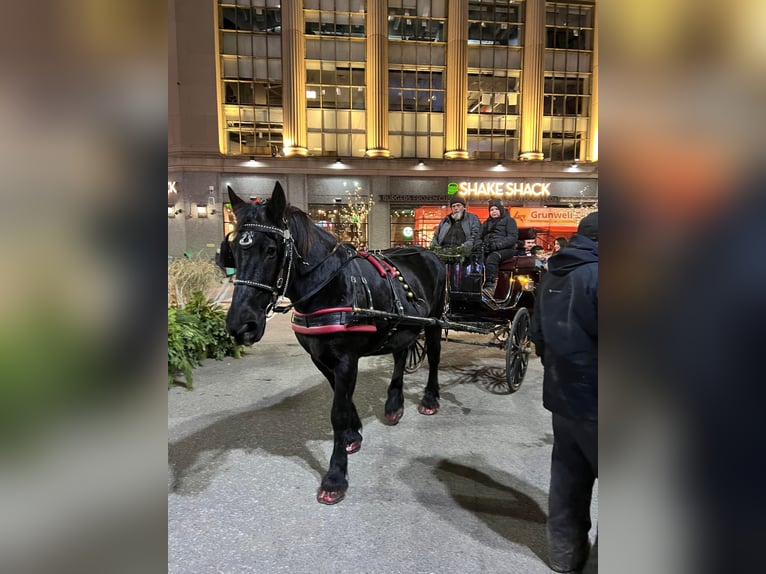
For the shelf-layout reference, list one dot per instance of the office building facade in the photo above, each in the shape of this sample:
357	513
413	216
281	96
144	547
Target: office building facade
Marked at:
370	114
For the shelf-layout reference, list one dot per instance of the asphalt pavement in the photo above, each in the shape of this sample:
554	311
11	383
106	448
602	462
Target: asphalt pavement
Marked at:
463	491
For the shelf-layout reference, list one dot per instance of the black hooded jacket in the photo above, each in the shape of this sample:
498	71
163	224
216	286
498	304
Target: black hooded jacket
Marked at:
565	330
500	233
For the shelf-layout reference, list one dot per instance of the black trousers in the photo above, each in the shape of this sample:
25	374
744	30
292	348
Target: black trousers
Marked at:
574	469
492	262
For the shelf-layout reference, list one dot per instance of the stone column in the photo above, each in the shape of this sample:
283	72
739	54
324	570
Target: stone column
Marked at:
591	150
531	132
379	219
376	78
456	135
294	128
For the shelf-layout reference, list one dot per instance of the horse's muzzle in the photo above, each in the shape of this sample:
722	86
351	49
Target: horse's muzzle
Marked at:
246	333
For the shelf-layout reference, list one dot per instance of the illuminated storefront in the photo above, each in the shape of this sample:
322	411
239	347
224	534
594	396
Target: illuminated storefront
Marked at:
552	208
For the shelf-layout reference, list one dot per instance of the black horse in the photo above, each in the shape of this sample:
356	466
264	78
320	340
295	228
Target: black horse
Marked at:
278	250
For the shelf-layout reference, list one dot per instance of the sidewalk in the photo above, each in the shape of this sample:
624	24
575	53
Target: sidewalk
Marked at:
464	491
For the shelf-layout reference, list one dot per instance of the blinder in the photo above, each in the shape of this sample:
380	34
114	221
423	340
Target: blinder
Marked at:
225	257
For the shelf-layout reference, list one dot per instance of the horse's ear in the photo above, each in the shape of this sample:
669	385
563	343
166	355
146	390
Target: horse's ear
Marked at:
236	202
277	204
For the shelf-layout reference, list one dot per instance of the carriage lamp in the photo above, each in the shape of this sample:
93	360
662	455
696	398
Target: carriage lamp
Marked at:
526	282
201	210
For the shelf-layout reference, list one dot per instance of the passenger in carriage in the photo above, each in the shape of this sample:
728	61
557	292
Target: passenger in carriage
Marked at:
459	228
558	244
524	248
498	236
539	254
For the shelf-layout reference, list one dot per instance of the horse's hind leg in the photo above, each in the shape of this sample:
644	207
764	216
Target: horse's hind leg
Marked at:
395	403
429	404
345	426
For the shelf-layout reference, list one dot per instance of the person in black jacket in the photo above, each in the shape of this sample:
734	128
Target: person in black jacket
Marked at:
459	228
498	235
565	333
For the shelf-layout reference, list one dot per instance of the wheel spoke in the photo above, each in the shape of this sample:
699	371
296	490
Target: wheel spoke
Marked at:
415	356
515	355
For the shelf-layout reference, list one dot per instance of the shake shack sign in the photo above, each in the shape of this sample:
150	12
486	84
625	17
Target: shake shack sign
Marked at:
522	189
502	189
480	191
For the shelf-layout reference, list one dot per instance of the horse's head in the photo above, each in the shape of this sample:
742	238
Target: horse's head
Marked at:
261	248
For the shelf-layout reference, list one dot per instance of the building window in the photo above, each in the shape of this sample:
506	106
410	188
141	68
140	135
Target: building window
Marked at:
341	222
495	22
335	88
566	96
569	26
335	77
561	146
416	66
568	76
495	30
415	91
251	68
402	221
422	21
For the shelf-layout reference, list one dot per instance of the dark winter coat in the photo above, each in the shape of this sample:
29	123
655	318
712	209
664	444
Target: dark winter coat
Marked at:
469	222
500	233
565	330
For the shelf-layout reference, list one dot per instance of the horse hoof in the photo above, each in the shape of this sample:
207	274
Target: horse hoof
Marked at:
393	418
330	496
427	410
351	448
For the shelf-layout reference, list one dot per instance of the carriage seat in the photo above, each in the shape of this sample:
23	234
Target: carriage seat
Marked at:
518	262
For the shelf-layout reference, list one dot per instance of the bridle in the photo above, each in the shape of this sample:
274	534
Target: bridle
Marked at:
286	266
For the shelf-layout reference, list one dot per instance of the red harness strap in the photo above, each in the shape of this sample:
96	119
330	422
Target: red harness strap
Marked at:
383	267
328	321
341	319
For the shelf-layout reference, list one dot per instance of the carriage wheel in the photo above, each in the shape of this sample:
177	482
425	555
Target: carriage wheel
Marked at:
416	354
517	350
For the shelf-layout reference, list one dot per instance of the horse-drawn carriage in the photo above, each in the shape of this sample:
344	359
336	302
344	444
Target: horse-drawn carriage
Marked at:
505	318
348	304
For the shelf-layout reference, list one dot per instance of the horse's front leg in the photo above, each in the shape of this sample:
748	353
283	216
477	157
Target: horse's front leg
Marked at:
345	429
429	404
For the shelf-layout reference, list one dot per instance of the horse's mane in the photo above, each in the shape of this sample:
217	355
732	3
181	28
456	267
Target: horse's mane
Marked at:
306	232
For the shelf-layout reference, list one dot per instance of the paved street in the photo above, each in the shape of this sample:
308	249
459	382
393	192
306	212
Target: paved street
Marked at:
464	491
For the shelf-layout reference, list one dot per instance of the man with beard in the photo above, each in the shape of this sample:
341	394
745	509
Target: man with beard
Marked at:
459	228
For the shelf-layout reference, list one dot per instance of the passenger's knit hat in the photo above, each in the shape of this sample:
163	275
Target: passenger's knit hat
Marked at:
589	226
497	203
456	199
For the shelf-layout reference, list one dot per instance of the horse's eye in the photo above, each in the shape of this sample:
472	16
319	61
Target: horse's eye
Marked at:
271	251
